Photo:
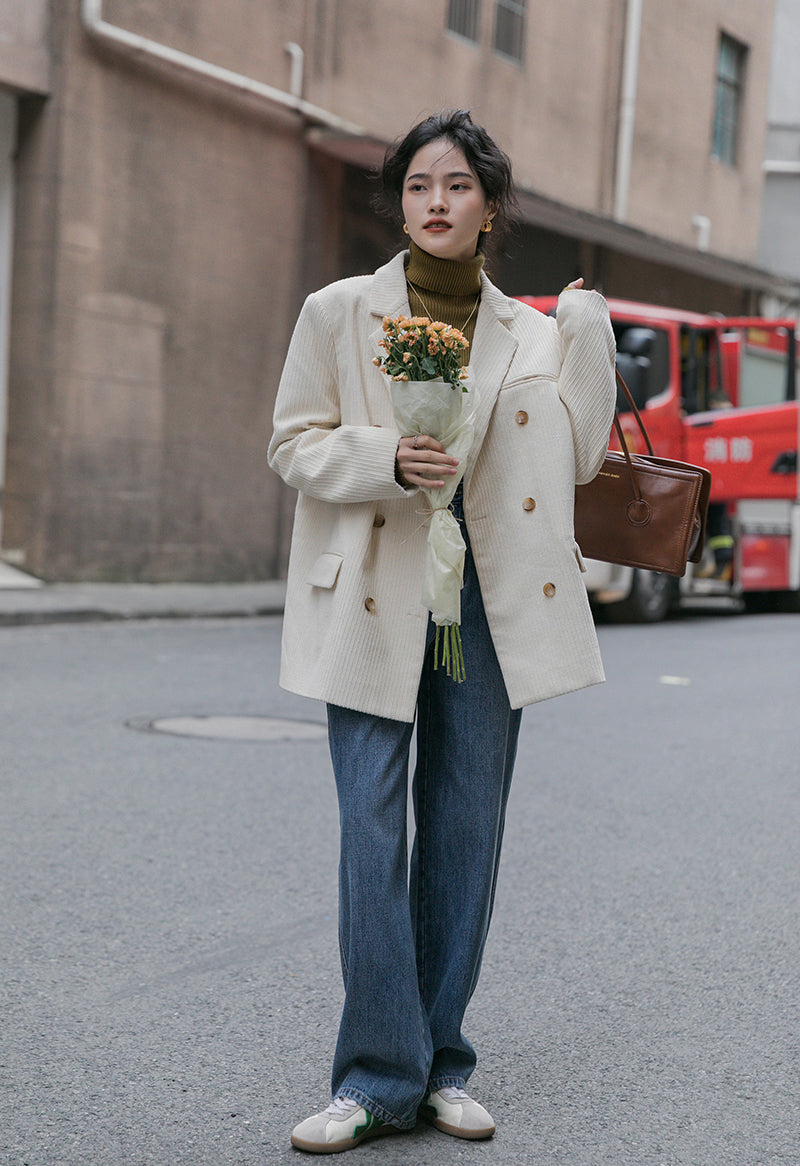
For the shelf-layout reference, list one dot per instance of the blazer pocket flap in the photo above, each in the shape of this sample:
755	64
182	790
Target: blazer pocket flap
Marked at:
325	571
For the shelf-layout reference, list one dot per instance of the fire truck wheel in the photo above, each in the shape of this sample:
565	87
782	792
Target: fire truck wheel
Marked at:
650	599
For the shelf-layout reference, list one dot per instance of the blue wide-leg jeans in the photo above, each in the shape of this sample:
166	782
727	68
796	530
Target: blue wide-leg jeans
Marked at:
411	947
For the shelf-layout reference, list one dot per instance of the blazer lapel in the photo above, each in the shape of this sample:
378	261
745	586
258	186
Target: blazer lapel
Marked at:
388	293
494	347
388	297
493	344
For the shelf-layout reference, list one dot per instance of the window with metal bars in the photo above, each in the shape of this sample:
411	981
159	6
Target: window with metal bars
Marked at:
731	58
463	18
509	28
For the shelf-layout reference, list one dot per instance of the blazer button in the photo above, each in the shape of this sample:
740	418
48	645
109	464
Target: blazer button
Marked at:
378	520
529	504
549	590
369	603
521	418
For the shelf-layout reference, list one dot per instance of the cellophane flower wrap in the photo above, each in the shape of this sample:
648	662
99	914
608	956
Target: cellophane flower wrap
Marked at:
431	395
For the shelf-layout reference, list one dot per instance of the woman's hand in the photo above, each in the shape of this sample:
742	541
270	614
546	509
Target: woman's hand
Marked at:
422	461
576	283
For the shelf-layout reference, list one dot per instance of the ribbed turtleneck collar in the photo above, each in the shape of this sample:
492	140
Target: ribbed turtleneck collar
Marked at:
444	276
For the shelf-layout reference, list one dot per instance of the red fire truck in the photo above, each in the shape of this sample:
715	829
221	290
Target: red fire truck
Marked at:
718	392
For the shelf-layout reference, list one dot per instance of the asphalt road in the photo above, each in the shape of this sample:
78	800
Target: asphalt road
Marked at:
170	987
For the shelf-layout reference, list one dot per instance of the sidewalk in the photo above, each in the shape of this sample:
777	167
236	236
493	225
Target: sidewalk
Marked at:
25	600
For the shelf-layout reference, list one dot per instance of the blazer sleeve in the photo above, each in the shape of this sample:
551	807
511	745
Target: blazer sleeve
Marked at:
310	448
586	382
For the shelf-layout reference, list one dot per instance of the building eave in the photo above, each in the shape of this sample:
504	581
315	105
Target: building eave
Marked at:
605	232
551	215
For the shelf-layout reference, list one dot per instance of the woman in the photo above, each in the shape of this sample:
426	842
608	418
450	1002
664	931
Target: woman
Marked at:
357	636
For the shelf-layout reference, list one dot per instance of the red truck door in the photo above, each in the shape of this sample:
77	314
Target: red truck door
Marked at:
751	450
752	453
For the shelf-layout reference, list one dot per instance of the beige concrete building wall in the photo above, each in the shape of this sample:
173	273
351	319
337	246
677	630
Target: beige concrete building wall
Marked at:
385	66
556	112
155	284
245	36
24	55
168	228
674	176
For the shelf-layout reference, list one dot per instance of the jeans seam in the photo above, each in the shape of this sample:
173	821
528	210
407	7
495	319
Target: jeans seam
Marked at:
422	818
343	957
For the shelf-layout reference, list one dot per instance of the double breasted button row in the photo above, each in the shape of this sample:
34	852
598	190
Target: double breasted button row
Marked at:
529	504
378	521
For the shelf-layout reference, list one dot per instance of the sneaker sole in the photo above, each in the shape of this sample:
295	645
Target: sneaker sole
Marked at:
350	1144
456	1131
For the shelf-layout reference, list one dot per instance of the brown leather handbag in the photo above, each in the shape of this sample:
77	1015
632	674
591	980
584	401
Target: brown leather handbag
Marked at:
642	510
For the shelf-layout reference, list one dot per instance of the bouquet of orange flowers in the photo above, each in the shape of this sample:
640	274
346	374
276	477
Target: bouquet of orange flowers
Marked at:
431	395
417	349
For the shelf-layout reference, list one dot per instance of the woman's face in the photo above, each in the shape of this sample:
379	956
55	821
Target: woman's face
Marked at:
443	202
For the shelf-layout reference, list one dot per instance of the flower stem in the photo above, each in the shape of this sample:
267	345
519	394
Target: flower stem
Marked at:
449	648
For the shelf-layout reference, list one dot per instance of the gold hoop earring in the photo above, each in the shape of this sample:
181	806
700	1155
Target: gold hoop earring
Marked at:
486	226
405	229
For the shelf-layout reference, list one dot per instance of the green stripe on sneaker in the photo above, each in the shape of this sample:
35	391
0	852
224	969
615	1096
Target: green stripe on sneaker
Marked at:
371	1123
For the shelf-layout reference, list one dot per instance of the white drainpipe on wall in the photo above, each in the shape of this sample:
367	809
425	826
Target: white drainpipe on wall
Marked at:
296	74
627	108
92	19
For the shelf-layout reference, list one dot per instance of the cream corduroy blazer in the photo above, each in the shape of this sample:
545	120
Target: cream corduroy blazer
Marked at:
354	626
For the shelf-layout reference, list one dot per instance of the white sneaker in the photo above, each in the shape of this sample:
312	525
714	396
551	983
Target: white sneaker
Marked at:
341	1126
453	1111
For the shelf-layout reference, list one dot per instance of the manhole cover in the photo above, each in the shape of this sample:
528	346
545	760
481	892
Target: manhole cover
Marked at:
235	728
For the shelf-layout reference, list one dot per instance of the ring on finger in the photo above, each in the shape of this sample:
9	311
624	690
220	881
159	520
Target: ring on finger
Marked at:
414	441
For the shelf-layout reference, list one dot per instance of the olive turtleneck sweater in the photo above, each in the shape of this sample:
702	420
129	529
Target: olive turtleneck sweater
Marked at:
445	290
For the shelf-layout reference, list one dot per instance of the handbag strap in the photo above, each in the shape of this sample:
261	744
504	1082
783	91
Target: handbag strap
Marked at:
636	414
644	512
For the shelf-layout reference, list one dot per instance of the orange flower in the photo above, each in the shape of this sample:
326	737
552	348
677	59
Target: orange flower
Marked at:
416	348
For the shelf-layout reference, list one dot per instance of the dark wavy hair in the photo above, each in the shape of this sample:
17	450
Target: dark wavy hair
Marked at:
491	166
